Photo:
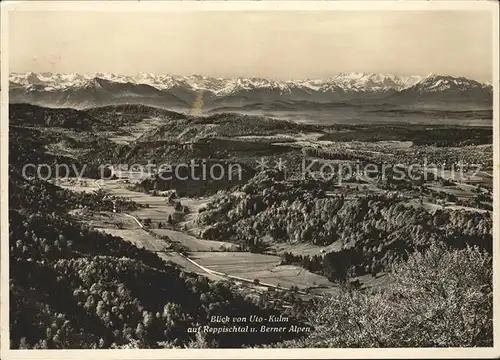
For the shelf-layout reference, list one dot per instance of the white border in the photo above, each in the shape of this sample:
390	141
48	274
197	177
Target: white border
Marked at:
113	6
4	173
496	176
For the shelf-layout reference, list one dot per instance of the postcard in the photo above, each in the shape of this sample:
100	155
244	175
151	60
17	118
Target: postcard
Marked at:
249	179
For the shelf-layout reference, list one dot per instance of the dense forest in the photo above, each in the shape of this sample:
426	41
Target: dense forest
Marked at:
27	114
28	155
74	287
374	230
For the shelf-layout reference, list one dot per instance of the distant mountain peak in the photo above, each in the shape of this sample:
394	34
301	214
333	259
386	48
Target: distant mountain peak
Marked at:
33	79
436	83
95	82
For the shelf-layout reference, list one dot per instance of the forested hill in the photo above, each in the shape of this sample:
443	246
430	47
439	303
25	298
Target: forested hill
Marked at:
373	231
74	287
32	115
224	125
96	118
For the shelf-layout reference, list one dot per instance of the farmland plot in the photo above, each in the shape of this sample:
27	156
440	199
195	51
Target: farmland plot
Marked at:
305	248
139	238
195	244
186	265
264	268
82	185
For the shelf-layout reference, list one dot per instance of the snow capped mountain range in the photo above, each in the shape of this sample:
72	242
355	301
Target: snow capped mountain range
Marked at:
76	90
219	86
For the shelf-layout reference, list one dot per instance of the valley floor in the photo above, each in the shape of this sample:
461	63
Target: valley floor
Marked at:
214	259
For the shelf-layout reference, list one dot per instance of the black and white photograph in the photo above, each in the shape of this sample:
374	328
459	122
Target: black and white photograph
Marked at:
259	176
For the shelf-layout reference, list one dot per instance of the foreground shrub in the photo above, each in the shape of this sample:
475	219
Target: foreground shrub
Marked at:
440	298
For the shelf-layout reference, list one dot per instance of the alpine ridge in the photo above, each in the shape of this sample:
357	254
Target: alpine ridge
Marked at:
173	91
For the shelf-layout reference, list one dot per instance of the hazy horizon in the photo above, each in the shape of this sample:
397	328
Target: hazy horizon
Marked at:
267	44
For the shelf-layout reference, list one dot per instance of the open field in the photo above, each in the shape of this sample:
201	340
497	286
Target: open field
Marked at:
466	208
195	244
122	225
453	190
482	177
242	265
139	238
106	222
208	254
264	268
369	281
186	265
129	230
123	137
157	210
461	176
83	185
194	204
132	133
430	207
304	248
105	219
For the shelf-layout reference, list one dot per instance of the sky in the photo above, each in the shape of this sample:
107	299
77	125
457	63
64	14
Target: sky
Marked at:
273	44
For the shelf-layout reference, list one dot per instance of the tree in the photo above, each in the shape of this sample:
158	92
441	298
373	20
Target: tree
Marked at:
440	298
147	319
171	314
140	331
199	342
23	344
